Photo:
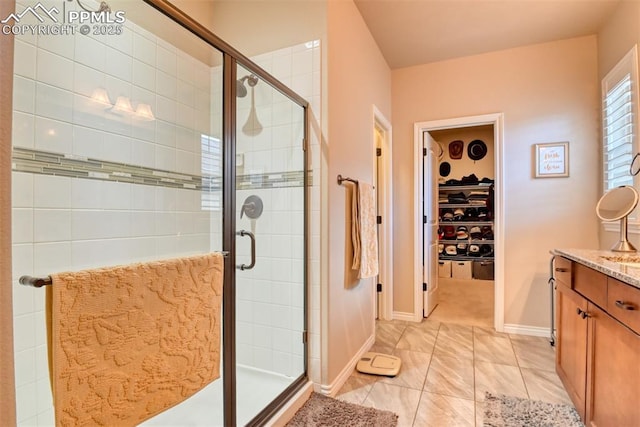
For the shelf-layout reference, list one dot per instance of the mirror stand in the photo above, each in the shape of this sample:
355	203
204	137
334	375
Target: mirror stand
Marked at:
623	245
617	204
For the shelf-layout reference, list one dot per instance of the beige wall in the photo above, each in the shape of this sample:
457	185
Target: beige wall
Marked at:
618	35
615	39
200	10
254	27
358	78
547	92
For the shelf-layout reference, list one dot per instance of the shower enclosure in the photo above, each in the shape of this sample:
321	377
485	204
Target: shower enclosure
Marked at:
159	142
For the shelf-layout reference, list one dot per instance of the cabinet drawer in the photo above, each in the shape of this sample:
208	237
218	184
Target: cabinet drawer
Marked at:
562	271
623	303
590	283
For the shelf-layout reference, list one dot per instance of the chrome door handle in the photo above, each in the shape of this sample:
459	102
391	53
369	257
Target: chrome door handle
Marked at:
253	249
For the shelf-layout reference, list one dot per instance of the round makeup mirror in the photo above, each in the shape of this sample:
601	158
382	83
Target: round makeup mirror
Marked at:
617	204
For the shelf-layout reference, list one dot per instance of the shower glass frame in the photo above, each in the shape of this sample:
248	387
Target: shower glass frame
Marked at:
233	58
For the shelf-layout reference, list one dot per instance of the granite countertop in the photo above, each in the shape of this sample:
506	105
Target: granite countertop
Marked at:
594	258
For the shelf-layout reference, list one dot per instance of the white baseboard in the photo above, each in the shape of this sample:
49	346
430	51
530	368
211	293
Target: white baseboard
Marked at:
401	315
534	331
333	388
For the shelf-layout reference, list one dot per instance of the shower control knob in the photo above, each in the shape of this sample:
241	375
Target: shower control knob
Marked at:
252	207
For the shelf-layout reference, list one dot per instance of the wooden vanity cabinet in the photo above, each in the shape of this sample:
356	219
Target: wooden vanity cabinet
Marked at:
598	346
613	378
571	345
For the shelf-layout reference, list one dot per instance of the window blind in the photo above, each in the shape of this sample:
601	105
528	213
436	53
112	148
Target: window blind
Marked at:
618	133
211	173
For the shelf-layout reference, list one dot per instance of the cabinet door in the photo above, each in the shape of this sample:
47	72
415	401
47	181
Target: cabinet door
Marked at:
613	394
571	352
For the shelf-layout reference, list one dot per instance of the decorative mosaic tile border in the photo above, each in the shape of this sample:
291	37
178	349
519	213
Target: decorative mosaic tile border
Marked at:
69	165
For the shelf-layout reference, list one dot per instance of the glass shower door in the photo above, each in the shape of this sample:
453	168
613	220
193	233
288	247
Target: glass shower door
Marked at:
270	242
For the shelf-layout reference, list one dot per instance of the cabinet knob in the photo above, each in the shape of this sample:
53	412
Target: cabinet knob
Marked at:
625	305
562	270
582	313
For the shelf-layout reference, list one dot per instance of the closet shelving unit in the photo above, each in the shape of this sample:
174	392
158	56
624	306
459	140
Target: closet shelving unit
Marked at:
445	190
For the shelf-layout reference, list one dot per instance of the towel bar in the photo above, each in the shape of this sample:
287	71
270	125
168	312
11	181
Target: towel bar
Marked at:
341	179
38	282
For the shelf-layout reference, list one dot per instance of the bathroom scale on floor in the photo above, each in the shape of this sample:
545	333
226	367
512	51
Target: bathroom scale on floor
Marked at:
379	364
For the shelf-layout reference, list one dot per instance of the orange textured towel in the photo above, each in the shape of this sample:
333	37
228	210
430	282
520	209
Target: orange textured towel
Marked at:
131	341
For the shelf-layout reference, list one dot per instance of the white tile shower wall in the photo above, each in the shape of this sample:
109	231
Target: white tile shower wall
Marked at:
62	223
270	297
269	311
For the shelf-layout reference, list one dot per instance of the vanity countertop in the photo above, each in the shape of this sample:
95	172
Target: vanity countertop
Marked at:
593	258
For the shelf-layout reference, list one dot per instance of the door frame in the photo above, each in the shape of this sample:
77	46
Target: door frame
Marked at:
497	120
385	191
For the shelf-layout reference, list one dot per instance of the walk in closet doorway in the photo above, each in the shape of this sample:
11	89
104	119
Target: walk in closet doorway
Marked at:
467	202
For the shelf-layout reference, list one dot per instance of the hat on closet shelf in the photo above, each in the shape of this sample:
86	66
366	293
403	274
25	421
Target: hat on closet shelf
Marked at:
471	214
450	250
447	215
461	248
461	233
477	149
487	232
458	214
455	149
483	214
486	250
445	169
475	232
469	180
449	232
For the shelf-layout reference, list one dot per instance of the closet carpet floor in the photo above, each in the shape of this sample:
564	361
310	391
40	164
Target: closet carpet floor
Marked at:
466	302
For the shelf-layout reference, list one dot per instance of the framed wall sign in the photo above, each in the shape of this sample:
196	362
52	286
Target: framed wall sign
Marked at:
552	160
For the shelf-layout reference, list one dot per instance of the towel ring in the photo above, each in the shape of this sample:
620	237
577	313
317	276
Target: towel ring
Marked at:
631	166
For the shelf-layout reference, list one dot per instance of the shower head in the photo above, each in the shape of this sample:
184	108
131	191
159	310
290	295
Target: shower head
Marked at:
241	90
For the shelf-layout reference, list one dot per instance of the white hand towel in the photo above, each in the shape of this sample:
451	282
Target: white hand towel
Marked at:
367	232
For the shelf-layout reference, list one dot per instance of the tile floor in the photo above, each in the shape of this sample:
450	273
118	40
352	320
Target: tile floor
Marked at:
448	366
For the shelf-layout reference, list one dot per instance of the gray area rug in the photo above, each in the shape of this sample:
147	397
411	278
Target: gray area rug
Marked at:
507	411
324	411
